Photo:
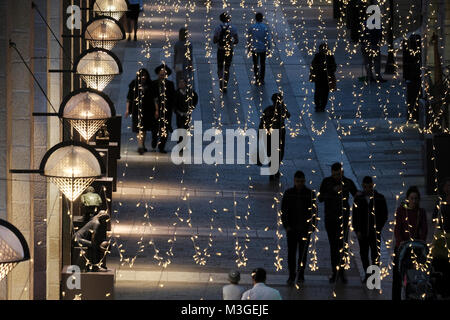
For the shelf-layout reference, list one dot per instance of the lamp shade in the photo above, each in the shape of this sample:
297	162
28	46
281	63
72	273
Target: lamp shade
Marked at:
13	248
112	8
72	166
87	110
103	32
97	67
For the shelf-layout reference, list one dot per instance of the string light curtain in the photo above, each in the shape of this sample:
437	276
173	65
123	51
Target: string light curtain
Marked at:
103	32
97	67
87	110
112	8
13	248
72	166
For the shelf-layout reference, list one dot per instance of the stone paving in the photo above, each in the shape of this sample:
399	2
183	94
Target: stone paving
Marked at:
208	219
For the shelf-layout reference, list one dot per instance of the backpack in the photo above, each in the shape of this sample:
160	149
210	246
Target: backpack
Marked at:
225	36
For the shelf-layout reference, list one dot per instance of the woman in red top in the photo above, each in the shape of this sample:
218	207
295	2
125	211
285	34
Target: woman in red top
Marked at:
410	224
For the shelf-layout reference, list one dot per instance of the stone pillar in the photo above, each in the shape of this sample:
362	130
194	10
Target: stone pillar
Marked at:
54	89
20	137
40	63
3	52
29	201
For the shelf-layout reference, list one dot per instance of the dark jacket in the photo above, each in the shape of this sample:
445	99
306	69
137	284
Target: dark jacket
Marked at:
356	18
371	38
185	102
165	94
414	227
412	58
274	117
367	214
335	202
323	66
142	105
297	208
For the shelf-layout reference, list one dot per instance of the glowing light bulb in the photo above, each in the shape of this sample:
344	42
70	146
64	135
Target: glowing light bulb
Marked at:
103	30
72	171
110	6
85	111
98	69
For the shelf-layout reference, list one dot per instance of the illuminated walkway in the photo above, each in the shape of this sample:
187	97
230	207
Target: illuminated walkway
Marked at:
206	220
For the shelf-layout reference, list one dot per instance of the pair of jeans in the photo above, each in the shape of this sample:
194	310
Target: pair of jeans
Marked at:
396	278
372	58
334	233
367	242
295	242
321	93
260	71
281	147
157	135
412	99
224	58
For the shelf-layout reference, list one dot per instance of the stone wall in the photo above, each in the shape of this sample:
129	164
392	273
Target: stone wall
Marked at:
39	196
27	200
3	52
54	90
20	137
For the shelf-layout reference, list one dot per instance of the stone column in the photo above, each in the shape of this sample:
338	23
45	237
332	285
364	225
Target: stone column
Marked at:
20	137
40	147
54	89
3	52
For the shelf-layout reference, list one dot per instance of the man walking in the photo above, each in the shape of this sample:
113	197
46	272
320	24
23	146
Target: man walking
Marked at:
412	74
298	216
369	216
370	47
258	43
186	100
273	118
335	191
322	73
260	291
225	35
165	99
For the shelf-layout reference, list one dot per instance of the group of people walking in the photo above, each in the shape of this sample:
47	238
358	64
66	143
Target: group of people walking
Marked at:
258	45
369	216
163	97
152	102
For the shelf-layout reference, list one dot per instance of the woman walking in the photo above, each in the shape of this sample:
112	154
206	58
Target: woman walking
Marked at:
410	224
165	95
141	106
